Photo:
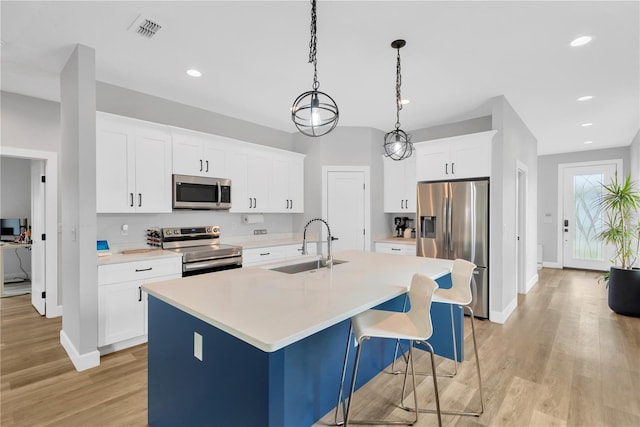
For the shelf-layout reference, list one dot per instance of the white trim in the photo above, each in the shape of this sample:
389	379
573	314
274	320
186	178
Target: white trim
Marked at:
502	316
521	168
367	197
80	361
561	168
549	264
52	306
531	283
121	345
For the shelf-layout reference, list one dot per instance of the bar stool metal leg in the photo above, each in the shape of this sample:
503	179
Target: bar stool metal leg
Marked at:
475	350
344	371
383	422
435	384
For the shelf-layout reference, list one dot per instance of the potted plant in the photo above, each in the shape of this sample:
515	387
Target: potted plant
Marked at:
620	201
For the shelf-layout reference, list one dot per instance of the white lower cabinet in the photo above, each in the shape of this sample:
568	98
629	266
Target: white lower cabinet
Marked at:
267	254
122	305
396	248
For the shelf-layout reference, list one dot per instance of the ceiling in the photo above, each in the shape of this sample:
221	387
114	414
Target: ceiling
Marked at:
253	56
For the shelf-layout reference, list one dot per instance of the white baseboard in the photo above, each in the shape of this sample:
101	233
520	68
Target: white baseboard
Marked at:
531	283
56	311
80	361
502	316
547	264
122	345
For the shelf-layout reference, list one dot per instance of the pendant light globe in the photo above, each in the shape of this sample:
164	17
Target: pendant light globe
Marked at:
397	143
314	113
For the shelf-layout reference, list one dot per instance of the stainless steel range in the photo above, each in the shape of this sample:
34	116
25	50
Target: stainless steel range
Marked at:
201	249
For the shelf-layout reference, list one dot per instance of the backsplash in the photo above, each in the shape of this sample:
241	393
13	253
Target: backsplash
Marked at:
109	226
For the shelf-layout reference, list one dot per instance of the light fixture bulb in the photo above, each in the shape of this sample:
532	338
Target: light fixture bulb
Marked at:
588	142
315	117
585	98
584	125
194	73
581	41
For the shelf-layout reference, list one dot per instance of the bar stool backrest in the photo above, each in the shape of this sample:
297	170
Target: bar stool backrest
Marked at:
461	275
420	294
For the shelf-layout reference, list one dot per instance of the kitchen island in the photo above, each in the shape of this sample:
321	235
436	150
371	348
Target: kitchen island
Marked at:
258	347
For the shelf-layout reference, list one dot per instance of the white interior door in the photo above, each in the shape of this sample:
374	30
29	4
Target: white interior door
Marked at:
346	209
581	221
37	230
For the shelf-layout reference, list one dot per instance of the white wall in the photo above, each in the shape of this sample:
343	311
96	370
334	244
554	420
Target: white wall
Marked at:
514	143
29	123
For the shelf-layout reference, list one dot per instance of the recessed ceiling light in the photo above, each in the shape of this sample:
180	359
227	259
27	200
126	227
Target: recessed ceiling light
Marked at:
194	73
585	98
588	142
405	101
584	125
581	41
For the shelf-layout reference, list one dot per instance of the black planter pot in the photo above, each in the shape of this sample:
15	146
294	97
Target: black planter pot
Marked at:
624	291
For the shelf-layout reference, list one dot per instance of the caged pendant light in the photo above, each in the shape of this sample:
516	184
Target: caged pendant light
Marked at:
397	143
314	113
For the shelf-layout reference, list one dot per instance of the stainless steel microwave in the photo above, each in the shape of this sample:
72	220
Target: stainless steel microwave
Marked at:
198	192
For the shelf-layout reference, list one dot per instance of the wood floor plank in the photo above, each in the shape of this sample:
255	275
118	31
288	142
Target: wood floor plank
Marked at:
562	359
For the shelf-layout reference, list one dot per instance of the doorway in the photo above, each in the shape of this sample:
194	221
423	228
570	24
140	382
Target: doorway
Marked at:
43	173
346	206
580	185
521	228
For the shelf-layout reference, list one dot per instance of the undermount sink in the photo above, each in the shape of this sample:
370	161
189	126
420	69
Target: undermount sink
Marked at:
304	266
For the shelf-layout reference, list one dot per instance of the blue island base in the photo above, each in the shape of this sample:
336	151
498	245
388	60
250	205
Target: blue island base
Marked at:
237	384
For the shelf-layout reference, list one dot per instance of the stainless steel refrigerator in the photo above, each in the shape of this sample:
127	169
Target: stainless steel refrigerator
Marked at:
453	222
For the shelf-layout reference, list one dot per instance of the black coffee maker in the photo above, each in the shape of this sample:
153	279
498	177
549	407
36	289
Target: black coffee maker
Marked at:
401	223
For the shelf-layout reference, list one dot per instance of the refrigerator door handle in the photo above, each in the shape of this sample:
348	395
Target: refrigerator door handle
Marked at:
445	228
450	222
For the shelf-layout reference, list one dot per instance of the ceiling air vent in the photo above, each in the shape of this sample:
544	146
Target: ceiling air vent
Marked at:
145	27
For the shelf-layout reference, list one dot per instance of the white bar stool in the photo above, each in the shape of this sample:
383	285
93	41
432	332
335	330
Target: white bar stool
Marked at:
460	294
414	325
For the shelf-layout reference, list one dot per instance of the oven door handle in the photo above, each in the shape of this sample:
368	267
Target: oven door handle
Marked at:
190	266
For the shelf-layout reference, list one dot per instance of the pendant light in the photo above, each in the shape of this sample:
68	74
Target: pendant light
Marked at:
314	113
397	143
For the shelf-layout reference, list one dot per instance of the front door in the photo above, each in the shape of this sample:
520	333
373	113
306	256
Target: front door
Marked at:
581	221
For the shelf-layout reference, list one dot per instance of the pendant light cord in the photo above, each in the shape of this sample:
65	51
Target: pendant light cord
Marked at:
398	96
312	46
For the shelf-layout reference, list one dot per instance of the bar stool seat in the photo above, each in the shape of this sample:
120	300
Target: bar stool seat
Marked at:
414	326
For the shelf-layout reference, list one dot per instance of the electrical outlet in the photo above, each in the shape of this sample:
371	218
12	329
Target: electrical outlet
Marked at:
197	346
124	230
260	231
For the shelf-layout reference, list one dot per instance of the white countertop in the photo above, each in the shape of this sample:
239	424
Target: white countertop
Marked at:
271	310
141	256
398	240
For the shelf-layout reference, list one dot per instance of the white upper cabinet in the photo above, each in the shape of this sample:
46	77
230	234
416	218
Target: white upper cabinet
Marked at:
459	157
288	183
265	181
198	154
399	185
133	166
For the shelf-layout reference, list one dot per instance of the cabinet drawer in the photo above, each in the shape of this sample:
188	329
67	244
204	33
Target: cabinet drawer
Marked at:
139	270
257	256
396	248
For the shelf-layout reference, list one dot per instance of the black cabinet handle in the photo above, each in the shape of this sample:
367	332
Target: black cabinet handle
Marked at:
452	172
200	165
138	270
207	166
446	168
131	195
139	199
250	206
266	253
395	249
139	293
255	203
291	204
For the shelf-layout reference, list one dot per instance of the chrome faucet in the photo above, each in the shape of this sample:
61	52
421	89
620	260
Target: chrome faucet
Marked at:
329	261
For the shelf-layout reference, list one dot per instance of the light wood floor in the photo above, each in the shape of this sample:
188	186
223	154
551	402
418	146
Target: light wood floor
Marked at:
562	359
